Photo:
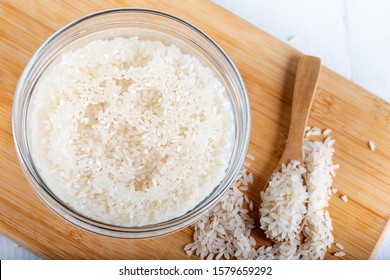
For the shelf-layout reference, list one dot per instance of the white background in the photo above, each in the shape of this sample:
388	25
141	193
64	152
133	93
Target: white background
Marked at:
280	270
352	37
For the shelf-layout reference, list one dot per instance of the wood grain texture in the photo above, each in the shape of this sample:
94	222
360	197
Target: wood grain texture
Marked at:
268	68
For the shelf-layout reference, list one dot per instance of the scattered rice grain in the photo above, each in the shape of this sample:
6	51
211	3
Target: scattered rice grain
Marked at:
339	245
372	145
327	132
318	237
339	254
250	156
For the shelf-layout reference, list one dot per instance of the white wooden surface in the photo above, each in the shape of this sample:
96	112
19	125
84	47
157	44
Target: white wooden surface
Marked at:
352	37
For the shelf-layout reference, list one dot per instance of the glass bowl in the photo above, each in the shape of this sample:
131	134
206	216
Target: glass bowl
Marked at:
168	28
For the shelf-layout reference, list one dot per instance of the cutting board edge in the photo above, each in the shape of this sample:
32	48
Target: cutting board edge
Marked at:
22	242
385	231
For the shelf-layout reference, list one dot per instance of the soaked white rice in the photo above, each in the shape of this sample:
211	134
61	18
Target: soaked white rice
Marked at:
131	132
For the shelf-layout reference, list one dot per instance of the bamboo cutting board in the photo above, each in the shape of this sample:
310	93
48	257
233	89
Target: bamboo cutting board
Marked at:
268	69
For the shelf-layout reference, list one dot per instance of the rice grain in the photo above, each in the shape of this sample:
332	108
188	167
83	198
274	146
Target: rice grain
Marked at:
339	254
340	246
371	144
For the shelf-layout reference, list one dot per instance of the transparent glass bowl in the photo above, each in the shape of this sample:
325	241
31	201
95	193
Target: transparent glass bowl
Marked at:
168	28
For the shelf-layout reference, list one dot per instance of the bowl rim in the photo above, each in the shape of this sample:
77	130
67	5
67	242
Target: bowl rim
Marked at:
89	224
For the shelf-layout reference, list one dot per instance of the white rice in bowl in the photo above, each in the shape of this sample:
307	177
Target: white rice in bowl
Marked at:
131	132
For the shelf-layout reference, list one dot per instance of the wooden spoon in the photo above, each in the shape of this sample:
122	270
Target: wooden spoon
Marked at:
305	87
306	81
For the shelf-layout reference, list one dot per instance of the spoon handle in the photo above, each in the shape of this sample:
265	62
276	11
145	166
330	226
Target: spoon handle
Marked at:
305	88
